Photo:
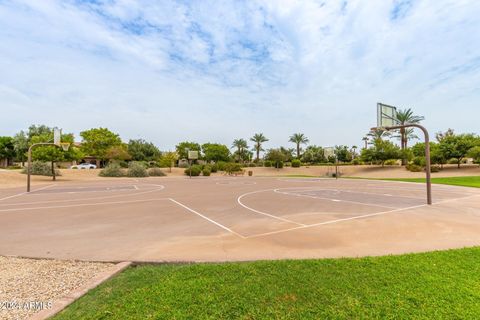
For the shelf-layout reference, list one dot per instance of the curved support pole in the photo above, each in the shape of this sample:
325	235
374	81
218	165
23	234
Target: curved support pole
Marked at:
428	166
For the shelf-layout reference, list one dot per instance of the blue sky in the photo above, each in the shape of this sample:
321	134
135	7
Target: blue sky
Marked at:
214	71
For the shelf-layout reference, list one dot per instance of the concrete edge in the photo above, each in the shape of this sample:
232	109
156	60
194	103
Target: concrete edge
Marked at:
68	299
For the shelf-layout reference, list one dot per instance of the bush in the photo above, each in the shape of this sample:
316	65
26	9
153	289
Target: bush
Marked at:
296	163
214	168
278	165
267	163
391	162
356	162
123	164
156	172
221	165
40	168
252	165
137	169
419	161
233	167
112	170
206	171
196	170
435	169
413	167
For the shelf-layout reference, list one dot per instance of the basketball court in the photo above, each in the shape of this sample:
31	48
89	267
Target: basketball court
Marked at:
242	218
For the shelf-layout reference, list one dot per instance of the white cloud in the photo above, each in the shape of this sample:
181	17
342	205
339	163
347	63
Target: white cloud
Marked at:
214	71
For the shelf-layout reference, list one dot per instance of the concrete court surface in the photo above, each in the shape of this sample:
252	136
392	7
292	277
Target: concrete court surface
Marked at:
227	219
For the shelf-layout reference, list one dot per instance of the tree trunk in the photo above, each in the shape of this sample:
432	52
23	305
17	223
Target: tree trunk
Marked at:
298	150
53	171
258	153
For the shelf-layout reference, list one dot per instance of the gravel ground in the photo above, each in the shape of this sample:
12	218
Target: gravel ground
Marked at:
29	284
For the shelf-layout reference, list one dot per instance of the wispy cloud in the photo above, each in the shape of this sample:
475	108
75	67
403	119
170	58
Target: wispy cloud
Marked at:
211	70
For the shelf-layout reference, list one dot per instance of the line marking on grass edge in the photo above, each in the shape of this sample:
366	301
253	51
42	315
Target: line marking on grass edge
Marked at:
207	218
261	212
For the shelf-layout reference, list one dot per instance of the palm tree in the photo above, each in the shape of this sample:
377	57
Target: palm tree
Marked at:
258	138
241	145
378	134
354	151
298	138
365	139
404	117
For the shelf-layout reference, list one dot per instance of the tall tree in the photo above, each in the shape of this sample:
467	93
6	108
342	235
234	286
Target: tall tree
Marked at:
7	150
20	145
298	139
406	116
182	147
96	143
241	145
141	150
381	151
258	138
458	146
441	135
215	152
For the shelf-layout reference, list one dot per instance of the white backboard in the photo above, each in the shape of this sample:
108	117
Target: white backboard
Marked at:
386	115
57	136
329	152
192	155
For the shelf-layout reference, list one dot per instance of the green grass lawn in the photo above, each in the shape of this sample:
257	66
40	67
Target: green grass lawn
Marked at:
436	285
473	181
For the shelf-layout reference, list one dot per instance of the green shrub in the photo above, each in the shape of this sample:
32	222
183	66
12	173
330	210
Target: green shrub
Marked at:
40	168
112	170
214	168
413	167
435	169
296	163
452	161
252	165
156	172
206	171
123	164
278	165
137	169
196	170
419	161
391	162
287	164
356	162
233	167
221	165
14	167
267	163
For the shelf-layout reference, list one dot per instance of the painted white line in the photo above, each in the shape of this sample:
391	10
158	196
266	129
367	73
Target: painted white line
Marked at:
82	205
206	218
22	193
239	201
80	199
352	218
348	191
336	200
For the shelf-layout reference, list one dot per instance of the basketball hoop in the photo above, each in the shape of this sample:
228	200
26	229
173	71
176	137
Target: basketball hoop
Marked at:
65	146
